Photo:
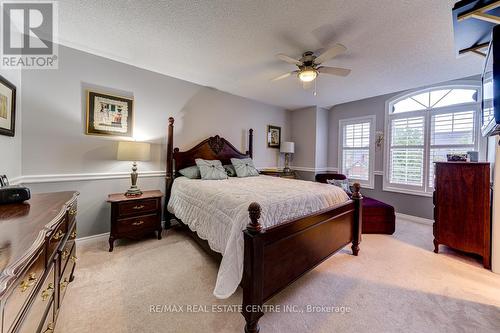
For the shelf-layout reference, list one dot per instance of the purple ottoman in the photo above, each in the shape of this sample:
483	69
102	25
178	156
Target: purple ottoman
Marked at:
378	217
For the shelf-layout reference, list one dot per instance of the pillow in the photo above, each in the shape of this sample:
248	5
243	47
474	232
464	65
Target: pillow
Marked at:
230	170
244	167
343	184
192	172
211	169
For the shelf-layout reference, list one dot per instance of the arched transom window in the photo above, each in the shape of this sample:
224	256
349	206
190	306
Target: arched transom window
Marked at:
421	128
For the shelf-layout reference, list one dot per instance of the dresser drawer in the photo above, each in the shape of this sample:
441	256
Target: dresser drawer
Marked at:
137	207
66	274
147	222
23	289
65	252
71	212
42	301
49	323
55	240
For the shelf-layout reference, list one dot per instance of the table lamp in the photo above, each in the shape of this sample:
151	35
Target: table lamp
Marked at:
287	148
133	151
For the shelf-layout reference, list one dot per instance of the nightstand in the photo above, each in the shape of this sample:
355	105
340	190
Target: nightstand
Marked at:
279	173
133	217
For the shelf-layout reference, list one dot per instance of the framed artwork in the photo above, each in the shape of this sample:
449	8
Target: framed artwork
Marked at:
273	136
7	107
109	115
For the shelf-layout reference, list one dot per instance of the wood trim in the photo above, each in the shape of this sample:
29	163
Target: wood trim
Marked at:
478	11
56	178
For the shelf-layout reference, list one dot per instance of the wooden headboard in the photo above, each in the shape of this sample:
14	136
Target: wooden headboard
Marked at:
213	148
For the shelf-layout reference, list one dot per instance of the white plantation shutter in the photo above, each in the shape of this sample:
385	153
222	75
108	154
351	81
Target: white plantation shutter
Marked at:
450	133
407	151
355	149
422	129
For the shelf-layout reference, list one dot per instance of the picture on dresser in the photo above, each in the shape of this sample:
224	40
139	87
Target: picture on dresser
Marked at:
109	115
7	107
273	136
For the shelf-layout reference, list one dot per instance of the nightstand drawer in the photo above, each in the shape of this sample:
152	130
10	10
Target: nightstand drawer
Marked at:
137	207
137	223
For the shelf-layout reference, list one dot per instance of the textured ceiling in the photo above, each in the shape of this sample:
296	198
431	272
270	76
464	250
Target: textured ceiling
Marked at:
230	45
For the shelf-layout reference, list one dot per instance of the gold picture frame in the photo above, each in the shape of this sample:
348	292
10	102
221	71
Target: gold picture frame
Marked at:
109	115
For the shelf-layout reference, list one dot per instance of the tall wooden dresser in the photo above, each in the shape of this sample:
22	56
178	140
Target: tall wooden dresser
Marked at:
462	208
37	260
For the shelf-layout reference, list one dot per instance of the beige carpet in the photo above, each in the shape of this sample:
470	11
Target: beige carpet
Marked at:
397	284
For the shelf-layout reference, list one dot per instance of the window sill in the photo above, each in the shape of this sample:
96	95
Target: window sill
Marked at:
407	191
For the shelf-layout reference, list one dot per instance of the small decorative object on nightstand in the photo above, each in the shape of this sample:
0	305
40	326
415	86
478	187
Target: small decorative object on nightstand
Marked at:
279	173
287	148
134	151
133	217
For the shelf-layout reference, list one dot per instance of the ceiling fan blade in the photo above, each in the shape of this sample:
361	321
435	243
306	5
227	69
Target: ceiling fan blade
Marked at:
288	59
283	76
334	71
330	53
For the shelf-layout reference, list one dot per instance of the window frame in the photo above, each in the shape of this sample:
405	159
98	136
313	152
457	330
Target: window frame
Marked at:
372	119
425	189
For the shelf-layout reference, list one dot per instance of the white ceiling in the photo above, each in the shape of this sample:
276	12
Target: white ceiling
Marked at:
230	44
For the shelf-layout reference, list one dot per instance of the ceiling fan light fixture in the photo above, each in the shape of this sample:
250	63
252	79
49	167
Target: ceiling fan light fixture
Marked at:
308	75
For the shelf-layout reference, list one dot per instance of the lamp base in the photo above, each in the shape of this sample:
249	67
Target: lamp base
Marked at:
287	170
133	192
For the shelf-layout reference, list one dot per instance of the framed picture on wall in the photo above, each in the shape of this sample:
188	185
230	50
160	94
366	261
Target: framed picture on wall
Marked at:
7	107
109	115
273	136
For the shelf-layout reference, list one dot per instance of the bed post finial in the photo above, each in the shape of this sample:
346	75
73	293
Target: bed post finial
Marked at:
169	179
254	227
358	214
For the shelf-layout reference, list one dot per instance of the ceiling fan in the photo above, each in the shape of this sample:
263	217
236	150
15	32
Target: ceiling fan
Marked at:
309	64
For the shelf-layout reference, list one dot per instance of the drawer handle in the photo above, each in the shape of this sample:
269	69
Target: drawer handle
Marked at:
58	235
138	223
74	259
25	284
64	283
73	234
138	207
50	328
47	292
64	255
72	212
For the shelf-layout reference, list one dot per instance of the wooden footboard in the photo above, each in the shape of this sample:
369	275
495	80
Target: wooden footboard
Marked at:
277	256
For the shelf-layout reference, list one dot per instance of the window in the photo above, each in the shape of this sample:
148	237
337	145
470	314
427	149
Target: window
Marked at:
421	128
356	149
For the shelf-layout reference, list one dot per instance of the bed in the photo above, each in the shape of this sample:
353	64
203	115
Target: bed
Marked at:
268	231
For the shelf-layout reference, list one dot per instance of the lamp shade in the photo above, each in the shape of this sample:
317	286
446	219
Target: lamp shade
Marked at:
133	151
287	147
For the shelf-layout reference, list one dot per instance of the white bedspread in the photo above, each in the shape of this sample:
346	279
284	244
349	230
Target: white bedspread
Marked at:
218	211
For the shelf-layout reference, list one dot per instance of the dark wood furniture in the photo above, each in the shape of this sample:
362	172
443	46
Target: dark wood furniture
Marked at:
37	260
279	173
277	256
133	217
462	208
378	217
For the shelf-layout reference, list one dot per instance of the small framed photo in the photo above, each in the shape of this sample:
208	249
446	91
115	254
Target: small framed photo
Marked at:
7	108
109	115
273	136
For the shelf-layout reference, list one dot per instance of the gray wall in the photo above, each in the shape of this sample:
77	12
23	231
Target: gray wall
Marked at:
54	142
303	133
321	138
10	147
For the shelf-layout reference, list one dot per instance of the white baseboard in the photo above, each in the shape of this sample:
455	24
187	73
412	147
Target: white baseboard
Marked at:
414	219
92	239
